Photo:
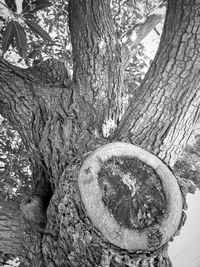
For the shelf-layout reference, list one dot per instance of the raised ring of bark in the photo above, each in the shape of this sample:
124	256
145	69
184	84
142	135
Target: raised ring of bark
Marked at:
150	238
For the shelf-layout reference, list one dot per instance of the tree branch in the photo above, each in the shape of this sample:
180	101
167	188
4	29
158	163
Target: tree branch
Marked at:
97	59
134	36
31	101
169	96
16	96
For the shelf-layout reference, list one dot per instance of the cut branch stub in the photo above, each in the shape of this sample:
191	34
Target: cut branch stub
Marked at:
130	196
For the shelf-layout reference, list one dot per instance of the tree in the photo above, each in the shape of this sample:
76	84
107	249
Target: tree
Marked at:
61	122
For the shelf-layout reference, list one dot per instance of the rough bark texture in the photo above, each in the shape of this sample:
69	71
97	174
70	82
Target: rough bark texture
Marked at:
11	238
97	61
164	113
61	121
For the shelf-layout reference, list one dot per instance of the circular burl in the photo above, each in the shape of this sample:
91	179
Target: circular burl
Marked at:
130	196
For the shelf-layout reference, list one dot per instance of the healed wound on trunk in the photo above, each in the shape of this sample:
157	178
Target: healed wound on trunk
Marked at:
128	195
132	191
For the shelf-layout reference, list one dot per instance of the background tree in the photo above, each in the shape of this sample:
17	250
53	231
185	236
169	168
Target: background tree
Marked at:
61	120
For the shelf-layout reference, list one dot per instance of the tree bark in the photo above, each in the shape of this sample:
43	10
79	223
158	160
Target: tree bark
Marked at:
164	113
11	239
61	121
97	60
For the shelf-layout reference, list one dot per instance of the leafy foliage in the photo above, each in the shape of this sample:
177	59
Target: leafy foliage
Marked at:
127	13
20	37
8	36
37	29
10	261
188	164
136	71
15	28
14	165
11	5
37	5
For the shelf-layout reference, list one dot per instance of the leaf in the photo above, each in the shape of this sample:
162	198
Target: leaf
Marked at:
21	40
28	16
38	30
25	6
39	5
8	36
11	5
34	53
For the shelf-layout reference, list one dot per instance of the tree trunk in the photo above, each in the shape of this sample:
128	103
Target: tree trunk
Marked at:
164	114
61	123
10	238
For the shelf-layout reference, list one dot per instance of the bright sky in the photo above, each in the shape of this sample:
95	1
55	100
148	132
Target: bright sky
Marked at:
186	247
151	42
